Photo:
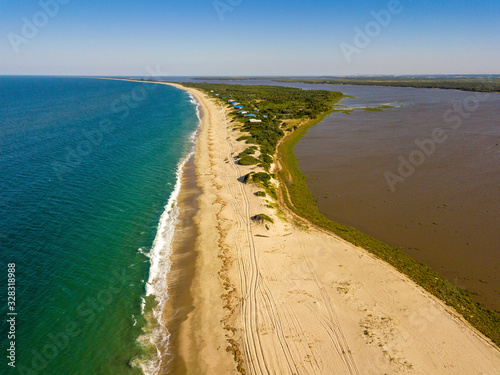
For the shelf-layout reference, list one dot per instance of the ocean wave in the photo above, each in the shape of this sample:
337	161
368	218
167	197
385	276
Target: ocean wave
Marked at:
159	256
141	251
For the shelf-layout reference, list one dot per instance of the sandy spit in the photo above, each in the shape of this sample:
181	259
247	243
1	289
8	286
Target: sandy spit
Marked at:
289	299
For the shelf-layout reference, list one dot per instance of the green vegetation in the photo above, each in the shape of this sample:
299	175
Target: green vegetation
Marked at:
248	160
276	102
277	107
467	83
260	193
262	179
347	111
267	159
378	109
266	162
258	178
475	82
247	139
248	151
262	218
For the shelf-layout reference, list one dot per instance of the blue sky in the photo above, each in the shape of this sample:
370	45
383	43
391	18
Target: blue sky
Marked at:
249	37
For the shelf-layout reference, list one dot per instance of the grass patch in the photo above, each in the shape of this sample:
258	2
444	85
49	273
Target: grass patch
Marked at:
260	193
248	151
262	179
266	158
247	139
378	109
261	218
248	160
346	111
266	162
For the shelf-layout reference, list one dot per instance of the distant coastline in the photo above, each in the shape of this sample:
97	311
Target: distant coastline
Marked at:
476	83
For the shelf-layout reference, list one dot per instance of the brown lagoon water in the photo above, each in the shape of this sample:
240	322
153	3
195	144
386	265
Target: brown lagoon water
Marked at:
444	209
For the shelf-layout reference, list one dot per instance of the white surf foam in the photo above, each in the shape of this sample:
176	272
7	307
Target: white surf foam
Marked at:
159	256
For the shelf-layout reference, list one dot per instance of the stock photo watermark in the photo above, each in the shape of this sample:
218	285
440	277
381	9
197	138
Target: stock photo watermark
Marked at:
56	342
223	6
31	26
424	149
372	29
94	137
11	314
419	322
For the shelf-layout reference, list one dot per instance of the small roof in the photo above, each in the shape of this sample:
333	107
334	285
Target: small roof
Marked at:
255	120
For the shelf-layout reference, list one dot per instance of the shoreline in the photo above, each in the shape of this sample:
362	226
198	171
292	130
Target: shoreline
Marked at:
201	345
182	260
428	317
166	257
296	299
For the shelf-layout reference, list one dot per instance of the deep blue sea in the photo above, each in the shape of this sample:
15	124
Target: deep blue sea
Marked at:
89	175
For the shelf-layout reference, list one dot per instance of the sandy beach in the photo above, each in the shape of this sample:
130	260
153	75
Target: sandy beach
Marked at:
290	299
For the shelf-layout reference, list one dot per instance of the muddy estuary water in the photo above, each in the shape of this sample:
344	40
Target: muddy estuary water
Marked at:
424	176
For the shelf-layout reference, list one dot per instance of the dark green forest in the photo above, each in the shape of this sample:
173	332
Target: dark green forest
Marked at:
479	84
276	101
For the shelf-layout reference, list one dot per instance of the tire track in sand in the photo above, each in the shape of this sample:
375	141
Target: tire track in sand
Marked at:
332	322
253	346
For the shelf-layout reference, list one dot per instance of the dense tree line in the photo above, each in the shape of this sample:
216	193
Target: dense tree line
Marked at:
480	83
274	104
274	101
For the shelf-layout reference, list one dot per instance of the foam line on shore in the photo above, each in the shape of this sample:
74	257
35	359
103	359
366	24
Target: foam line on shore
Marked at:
159	256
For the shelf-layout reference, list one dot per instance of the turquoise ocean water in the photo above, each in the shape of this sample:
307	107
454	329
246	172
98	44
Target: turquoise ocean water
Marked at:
89	174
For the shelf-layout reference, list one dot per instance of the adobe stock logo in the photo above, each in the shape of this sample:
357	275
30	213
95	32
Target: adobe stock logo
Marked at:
426	147
222	7
363	37
31	27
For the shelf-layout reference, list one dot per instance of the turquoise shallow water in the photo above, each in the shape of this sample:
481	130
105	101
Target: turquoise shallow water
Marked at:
87	167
